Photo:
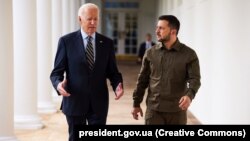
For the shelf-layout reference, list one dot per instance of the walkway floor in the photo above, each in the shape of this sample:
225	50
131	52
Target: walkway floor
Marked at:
55	128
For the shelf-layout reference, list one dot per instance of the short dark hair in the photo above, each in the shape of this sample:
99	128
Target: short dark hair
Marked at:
173	22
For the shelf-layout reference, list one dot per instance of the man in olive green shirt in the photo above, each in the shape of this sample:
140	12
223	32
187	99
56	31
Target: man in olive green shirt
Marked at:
171	72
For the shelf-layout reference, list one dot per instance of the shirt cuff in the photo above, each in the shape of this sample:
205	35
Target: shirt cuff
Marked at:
136	104
191	94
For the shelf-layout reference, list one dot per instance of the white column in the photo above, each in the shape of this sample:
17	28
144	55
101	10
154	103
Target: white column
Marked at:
25	70
56	34
44	60
6	72
65	17
56	24
74	6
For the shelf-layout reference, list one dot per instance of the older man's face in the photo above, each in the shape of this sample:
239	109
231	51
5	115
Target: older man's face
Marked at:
89	20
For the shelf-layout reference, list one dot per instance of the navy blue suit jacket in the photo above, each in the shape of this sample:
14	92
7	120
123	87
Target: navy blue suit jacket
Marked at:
142	49
86	88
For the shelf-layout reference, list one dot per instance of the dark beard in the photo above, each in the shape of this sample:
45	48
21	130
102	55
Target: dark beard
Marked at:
165	39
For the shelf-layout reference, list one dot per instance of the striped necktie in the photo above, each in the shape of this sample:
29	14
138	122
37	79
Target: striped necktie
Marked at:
90	53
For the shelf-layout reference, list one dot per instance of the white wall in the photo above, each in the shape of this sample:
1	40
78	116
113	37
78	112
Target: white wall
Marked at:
219	31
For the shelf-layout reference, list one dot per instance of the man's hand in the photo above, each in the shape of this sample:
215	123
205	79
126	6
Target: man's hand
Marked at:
135	112
184	102
119	91
61	90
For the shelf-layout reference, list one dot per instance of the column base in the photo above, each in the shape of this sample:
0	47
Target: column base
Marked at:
28	122
46	108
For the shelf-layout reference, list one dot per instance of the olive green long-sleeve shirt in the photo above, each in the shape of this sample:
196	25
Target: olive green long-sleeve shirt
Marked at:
168	75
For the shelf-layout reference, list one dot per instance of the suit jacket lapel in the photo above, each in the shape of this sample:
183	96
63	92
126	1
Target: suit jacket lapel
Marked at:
80	47
98	48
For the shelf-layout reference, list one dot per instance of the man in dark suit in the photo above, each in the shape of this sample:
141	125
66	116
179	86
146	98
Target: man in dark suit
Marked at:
144	46
84	90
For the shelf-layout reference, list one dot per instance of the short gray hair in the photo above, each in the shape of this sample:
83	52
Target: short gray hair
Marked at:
86	6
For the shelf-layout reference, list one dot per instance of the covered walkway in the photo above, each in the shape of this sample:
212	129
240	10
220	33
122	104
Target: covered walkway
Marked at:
119	111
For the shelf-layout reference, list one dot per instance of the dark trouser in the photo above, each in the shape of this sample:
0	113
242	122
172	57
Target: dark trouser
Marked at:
155	118
90	119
